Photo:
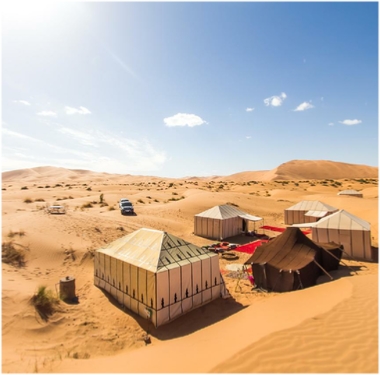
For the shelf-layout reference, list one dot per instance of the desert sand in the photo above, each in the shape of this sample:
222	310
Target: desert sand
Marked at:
331	327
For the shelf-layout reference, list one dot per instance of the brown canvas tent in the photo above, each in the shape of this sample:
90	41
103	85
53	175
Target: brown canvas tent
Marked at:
158	275
351	193
307	212
292	261
344	228
221	222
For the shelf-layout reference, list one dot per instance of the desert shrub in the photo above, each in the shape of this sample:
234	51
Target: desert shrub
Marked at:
140	201
44	302
11	254
28	200
12	234
232	204
97	230
174	193
111	208
86	205
24	188
39	200
3	189
175	199
89	189
156	200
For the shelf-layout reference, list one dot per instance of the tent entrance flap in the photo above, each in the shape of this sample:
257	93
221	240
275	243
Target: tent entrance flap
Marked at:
250	217
316	213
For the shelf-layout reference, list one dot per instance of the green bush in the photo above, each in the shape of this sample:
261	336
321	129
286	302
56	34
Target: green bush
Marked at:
44	302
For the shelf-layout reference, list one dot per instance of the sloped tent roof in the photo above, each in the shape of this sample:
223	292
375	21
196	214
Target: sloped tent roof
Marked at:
349	192
312	206
153	250
339	220
291	250
226	212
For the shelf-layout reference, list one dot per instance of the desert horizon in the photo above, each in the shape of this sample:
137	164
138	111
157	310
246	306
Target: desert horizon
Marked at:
97	335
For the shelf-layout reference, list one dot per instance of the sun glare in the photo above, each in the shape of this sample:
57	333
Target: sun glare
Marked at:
20	14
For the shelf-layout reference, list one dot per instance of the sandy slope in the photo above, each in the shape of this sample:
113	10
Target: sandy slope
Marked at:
249	332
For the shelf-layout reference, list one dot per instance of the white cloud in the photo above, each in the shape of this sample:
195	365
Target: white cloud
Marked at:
331	124
22	102
322	98
275	101
98	151
351	122
80	111
84	138
250	109
47	114
184	119
248	137
303	106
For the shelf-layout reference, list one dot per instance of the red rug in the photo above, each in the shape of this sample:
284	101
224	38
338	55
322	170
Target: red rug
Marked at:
277	229
249	248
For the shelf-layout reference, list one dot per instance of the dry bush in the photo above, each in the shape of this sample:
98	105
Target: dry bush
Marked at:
28	200
13	254
44	302
86	205
12	234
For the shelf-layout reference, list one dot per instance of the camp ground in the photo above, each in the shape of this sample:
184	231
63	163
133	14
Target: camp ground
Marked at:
160	276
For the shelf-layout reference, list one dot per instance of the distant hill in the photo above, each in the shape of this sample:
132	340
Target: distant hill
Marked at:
292	170
309	170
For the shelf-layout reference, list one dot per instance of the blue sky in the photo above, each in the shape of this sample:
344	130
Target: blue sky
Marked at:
188	89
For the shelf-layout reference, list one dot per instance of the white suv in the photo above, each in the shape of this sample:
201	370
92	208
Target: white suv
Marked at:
122	200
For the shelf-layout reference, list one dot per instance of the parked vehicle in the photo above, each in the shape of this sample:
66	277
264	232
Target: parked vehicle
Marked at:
123	200
126	207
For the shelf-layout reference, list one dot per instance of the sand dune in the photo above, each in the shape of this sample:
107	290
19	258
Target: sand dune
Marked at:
309	169
250	332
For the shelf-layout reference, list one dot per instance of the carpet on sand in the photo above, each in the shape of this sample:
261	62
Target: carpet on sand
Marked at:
249	248
278	229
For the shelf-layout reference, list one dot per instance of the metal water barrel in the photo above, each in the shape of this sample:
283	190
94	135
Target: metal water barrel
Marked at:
67	288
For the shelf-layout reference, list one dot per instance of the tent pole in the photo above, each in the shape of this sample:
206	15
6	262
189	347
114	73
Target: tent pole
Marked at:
322	269
340	260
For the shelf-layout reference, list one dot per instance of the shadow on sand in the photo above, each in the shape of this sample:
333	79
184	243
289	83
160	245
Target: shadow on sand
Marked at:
192	321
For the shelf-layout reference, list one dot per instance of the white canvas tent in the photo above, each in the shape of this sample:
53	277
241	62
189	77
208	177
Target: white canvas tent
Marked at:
351	193
344	229
222	221
307	212
158	275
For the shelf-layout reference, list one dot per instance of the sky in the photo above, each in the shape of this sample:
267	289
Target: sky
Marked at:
176	89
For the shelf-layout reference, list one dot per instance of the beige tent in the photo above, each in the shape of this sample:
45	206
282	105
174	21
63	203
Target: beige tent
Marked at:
351	193
307	212
157	275
345	229
221	222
